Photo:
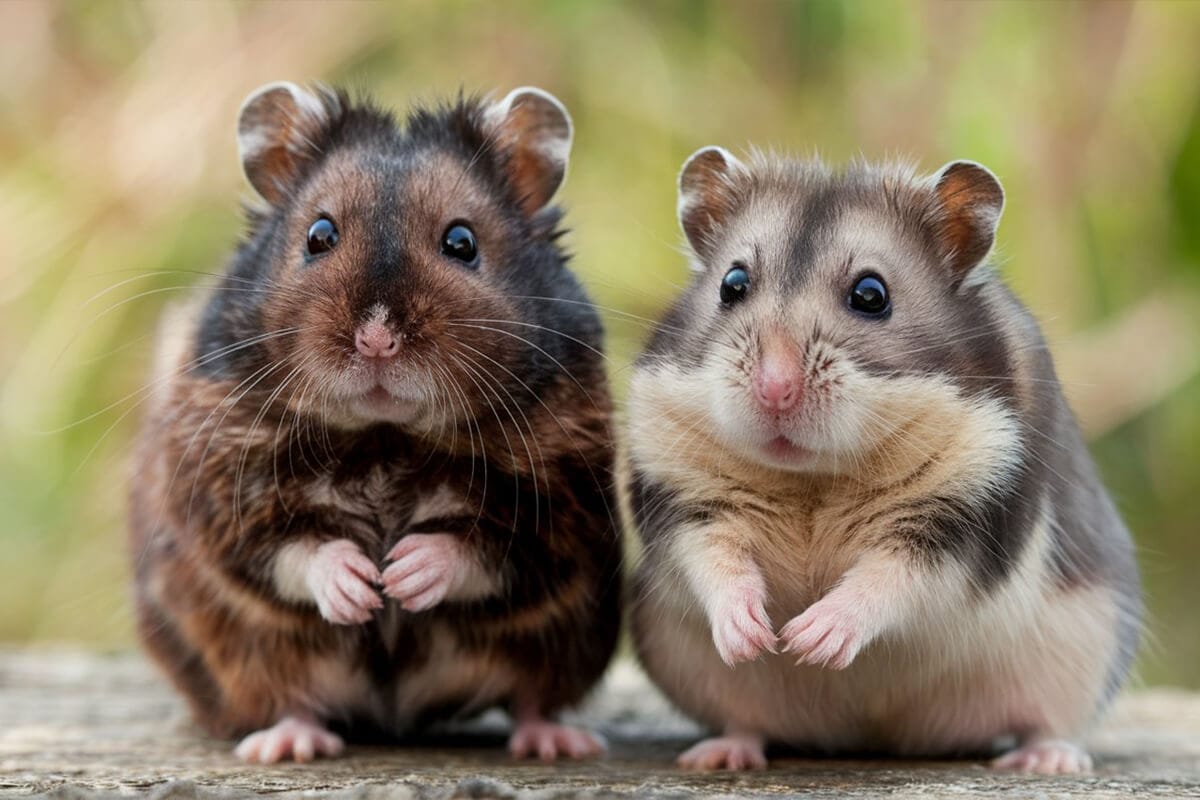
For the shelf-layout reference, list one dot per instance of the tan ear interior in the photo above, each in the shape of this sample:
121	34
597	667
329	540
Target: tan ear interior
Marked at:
971	201
707	195
535	131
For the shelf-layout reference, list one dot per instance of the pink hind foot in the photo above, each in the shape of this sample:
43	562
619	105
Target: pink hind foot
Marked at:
292	737
1046	757
734	751
550	740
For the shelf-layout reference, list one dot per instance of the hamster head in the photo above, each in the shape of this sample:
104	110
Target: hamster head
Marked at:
828	309
384	251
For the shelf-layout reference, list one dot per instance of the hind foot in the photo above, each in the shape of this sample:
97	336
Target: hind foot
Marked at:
734	751
292	737
1046	757
550	740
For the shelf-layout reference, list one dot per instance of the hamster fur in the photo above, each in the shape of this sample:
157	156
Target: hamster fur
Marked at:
374	486
867	526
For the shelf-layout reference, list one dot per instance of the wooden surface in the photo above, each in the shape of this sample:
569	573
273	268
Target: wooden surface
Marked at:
79	725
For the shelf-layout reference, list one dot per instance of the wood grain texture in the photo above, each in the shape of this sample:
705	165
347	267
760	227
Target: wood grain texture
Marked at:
80	725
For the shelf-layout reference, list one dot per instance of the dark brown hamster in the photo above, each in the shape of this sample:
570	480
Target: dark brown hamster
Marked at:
870	521
373	489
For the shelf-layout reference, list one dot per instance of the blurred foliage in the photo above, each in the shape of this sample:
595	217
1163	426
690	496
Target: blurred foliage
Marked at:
119	181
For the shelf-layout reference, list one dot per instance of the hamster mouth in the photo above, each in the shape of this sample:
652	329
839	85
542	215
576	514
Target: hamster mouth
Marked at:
378	402
782	449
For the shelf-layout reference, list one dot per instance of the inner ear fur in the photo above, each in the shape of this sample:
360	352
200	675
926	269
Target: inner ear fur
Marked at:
708	195
533	131
278	130
970	201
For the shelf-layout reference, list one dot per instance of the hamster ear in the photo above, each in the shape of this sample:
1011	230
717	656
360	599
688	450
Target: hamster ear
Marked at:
708	186
970	200
277	129
533	129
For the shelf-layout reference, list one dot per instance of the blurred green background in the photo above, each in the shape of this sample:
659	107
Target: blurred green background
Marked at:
118	165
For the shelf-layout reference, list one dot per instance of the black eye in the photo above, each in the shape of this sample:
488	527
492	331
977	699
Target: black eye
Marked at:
322	236
869	296
735	284
459	243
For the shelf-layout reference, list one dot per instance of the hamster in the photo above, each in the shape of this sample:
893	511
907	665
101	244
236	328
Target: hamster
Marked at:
373	489
870	523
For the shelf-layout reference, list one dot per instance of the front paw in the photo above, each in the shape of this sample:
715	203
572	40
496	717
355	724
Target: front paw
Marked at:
342	581
825	635
740	627
426	568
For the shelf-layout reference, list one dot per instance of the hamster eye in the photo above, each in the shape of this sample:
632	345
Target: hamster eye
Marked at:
869	296
735	284
322	236
458	242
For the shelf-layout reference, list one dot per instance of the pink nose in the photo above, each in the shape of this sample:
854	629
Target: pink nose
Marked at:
778	381
374	340
777	393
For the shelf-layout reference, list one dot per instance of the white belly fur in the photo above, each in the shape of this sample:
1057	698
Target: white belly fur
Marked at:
1028	657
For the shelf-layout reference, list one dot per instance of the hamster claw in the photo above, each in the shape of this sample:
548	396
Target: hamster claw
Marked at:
733	752
342	580
823	636
549	740
1046	757
741	629
295	737
425	569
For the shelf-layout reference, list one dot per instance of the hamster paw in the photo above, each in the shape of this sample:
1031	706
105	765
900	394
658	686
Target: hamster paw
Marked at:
342	581
825	635
740	627
425	568
1046	757
732	752
549	740
291	737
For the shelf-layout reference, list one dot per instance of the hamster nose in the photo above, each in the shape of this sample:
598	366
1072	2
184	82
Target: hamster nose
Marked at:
778	381
375	340
777	393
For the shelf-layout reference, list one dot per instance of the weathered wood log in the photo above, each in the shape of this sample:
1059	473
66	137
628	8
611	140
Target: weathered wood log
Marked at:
81	725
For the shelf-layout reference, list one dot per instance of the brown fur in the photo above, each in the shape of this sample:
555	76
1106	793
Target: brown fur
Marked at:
256	444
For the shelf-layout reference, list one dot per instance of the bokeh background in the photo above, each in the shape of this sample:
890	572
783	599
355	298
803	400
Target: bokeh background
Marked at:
119	181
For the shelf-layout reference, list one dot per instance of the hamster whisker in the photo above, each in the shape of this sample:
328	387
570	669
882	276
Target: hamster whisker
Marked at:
535	346
146	392
298	432
546	328
473	373
199	361
990	330
650	323
465	403
248	439
455	395
293	403
191	443
85	326
555	418
253	380
528	424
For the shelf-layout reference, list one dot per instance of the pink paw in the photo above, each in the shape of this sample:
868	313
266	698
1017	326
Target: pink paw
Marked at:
426	568
549	740
735	752
342	581
740	627
1047	757
825	635
299	739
